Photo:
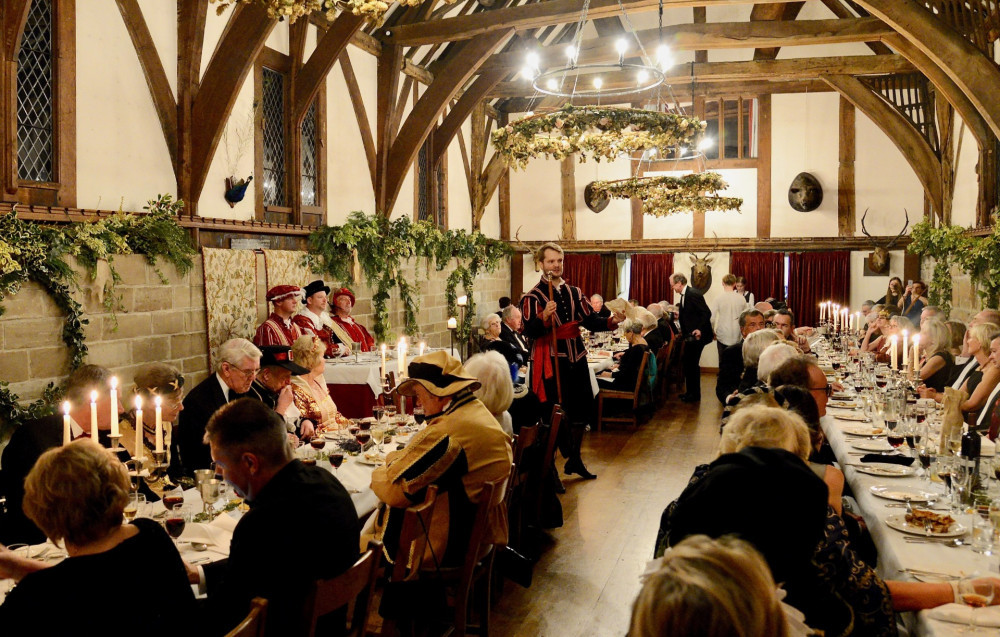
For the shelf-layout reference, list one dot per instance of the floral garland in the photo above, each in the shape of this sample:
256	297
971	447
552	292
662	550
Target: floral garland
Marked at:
373	10
665	195
383	247
604	132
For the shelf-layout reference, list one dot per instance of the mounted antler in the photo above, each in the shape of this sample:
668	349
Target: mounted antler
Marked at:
878	261
898	236
865	230
524	246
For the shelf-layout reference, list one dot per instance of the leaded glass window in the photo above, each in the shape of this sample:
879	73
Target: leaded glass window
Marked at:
34	96
308	162
273	129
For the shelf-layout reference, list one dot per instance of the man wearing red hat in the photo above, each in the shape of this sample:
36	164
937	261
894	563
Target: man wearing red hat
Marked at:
278	329
343	303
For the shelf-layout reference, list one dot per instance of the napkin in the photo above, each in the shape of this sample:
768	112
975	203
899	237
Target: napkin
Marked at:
960	614
211	533
877	457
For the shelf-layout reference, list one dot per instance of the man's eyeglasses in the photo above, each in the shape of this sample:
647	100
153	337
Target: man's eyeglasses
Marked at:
828	389
248	373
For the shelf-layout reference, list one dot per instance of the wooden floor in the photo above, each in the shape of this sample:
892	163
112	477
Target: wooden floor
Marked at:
586	580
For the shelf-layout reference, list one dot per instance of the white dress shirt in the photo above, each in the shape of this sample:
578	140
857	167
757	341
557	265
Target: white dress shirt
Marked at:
726	316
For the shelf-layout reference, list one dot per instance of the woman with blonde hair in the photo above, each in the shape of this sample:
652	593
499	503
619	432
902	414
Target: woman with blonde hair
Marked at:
309	391
709	588
981	381
77	495
935	346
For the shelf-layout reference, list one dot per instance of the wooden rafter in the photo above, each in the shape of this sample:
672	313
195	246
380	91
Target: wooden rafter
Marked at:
838	9
773	13
191	17
15	16
387	73
471	98
532	16
899	130
321	60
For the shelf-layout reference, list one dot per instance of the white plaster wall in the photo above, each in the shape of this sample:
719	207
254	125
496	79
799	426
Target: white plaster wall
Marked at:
884	182
348	178
963	210
535	201
459	204
615	221
742	183
720	267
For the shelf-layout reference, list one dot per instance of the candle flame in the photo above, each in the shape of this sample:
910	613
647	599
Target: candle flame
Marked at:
114	382
138	403
93	396
66	407
157	401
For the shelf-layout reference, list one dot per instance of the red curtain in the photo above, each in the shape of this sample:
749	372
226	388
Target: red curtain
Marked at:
814	277
583	271
650	278
764	272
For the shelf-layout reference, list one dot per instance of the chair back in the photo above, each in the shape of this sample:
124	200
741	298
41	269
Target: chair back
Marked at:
524	439
640	379
253	624
355	584
413	538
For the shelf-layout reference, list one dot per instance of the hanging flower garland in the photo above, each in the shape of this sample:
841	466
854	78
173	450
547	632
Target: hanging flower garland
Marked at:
604	132
373	10
665	195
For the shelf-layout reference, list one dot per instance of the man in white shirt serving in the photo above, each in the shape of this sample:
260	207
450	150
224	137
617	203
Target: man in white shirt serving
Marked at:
726	314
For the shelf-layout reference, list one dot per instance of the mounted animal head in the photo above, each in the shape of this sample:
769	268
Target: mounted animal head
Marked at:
701	270
805	194
878	260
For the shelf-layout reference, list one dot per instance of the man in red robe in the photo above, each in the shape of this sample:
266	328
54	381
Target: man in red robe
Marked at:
314	319
343	303
278	329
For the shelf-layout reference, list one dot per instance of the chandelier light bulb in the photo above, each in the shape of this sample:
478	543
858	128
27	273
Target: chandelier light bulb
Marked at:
571	54
532	59
683	151
598	83
705	143
621	46
552	84
663	57
643	76
528	72
652	152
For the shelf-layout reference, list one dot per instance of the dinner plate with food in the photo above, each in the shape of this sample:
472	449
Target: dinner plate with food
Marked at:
902	494
856	430
886	470
850	416
843	404
926	523
872	445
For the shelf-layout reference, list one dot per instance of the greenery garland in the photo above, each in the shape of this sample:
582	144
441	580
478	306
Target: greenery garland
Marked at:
373	10
604	132
665	195
37	252
383	248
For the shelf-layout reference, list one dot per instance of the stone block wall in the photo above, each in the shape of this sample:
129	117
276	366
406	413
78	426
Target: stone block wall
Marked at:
167	322
965	302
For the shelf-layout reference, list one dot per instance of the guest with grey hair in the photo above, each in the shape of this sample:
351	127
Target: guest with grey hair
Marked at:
597	302
237	363
771	359
496	390
753	346
492	342
510	330
624	377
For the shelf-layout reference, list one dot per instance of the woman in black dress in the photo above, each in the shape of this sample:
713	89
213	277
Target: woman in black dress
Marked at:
935	343
624	378
493	342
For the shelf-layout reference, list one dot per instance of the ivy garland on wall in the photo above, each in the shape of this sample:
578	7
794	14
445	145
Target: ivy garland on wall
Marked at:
383	248
950	245
38	252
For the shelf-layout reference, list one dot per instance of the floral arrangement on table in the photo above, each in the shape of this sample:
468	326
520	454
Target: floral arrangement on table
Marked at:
37	252
664	195
382	248
373	10
604	132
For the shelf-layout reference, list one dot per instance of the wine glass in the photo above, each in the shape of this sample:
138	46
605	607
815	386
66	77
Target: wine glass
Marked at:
418	415
211	490
175	522
336	459
173	499
378	435
317	442
134	507
975	592
390	411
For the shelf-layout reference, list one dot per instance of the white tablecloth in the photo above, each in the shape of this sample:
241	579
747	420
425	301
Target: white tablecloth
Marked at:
345	371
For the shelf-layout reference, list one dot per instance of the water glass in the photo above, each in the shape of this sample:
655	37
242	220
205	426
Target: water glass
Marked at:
982	535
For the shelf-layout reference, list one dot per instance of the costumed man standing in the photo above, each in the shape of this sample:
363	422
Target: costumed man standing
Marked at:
696	325
553	310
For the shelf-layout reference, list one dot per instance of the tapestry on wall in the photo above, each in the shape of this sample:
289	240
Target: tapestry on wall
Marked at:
284	267
230	296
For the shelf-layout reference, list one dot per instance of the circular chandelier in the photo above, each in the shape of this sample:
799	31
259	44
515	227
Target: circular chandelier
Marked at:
664	195
597	79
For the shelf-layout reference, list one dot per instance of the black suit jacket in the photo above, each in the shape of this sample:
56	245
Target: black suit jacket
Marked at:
730	371
299	503
199	405
695	315
514	338
655	341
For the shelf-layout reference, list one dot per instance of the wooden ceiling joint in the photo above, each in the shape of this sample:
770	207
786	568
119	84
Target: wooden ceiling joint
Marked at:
773	13
328	49
838	9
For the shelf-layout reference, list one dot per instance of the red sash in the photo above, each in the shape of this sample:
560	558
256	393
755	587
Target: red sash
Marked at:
543	356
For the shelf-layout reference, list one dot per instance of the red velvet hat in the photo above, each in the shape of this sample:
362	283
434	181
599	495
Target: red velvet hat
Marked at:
344	292
279	292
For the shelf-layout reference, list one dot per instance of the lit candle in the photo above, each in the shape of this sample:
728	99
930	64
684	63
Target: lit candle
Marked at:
462	301
114	407
916	352
836	313
857	323
422	346
452	323
906	348
401	355
93	416
843	319
139	431
892	352
159	424
382	379
67	435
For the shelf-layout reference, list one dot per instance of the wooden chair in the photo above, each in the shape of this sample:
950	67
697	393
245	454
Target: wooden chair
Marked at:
354	585
673	374
253	624
662	363
614	394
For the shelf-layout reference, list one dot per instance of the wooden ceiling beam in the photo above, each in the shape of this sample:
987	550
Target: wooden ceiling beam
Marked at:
458	113
328	49
773	13
792	69
714	35
15	16
531	16
838	9
899	130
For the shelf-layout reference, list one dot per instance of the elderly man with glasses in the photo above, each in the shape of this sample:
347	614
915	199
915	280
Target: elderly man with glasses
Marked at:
237	364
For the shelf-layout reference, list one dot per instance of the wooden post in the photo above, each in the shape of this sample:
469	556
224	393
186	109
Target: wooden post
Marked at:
845	177
764	169
568	174
636	203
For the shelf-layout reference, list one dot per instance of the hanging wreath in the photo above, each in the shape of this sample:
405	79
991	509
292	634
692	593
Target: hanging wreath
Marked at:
604	132
373	10
665	195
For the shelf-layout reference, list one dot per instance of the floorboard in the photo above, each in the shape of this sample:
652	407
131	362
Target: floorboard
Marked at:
588	576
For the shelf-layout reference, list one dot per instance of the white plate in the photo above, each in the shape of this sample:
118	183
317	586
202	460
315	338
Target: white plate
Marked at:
843	404
851	417
856	430
902	494
872	445
886	470
899	523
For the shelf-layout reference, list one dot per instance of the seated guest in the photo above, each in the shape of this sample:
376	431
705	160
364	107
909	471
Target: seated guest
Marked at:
279	329
763	306
151	381
981	376
965	362
784	320
510	330
866	307
314	319
496	390
932	311
753	345
798	400
731	361
875	337
957	330
669	327
894	327
650	328
893	294
773	356
803	371
273	387
706	587
309	391
237	364
597	302
77	494
343	305
286	499
935	343
462	448
32	438
914	301
625	377
493	343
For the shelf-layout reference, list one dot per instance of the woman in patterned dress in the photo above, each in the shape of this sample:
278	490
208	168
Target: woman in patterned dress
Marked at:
309	391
